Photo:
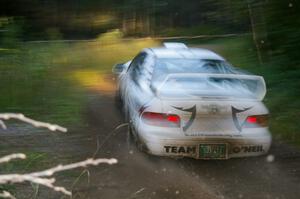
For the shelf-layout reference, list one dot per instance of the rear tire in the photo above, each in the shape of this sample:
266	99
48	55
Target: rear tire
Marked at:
121	106
118	99
139	144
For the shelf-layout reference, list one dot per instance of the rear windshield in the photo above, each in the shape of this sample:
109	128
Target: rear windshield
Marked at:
164	67
204	78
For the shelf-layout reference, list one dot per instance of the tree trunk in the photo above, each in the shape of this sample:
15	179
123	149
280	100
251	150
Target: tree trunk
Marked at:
258	26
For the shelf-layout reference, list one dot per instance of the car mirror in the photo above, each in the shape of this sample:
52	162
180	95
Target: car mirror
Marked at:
118	68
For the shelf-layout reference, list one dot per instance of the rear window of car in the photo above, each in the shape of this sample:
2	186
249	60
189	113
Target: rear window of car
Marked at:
166	66
201	77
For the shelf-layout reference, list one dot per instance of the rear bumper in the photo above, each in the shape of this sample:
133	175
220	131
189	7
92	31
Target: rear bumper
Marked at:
186	146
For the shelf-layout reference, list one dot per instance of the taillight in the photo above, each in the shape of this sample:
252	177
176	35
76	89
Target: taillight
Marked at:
161	119
254	121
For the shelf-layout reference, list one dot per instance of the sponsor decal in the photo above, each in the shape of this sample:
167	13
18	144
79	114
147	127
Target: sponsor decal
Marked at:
248	149
214	135
180	149
236	122
192	118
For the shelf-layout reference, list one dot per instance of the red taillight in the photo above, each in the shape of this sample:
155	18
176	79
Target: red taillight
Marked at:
256	121
173	118
161	119
251	119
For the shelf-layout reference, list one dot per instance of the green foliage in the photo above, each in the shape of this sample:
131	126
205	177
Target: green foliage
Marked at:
196	30
39	80
33	84
89	18
283	22
33	161
7	187
113	36
12	32
53	34
283	101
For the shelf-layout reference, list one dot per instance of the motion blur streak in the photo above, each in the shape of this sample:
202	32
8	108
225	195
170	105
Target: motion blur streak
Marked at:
94	80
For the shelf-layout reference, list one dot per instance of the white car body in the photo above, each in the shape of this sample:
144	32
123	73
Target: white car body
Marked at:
203	115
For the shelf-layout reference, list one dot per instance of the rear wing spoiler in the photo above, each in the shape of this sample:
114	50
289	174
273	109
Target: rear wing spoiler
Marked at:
252	83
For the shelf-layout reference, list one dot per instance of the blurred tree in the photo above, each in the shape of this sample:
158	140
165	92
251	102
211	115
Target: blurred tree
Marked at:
283	26
258	28
274	24
12	34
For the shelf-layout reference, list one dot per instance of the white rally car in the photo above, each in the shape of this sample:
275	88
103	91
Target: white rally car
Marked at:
191	102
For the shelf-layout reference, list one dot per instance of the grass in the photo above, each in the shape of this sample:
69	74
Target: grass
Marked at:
191	31
44	80
33	162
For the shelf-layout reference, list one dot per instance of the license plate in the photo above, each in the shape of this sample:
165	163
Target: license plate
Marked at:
213	151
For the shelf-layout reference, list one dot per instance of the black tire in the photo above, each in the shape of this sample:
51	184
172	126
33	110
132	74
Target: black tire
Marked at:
120	106
139	144
118	99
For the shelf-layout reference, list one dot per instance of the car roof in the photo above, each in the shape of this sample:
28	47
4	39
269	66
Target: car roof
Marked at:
180	50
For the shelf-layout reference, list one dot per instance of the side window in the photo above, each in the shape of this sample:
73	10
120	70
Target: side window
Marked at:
135	62
135	70
147	70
